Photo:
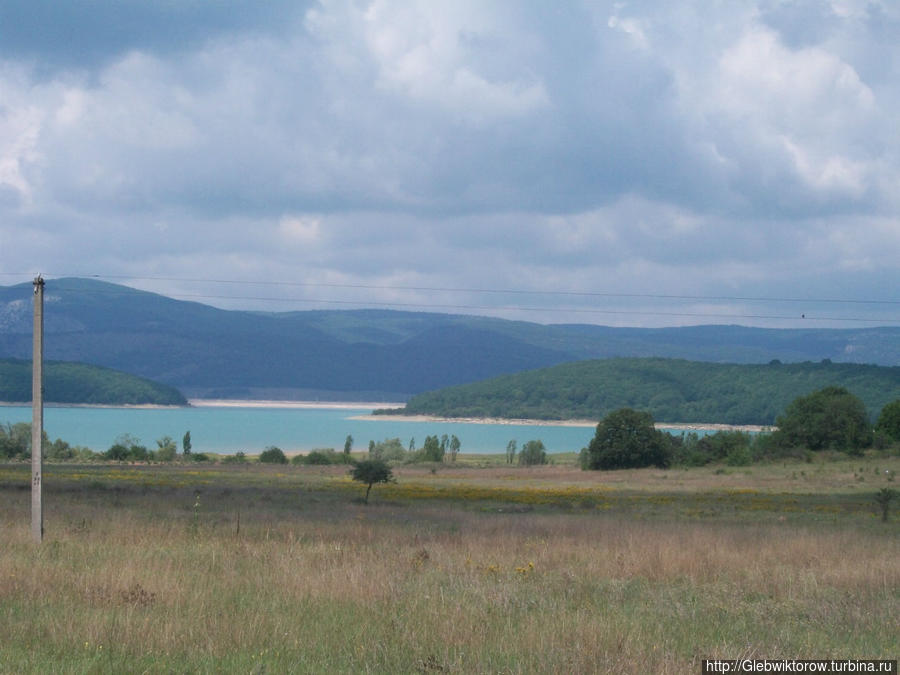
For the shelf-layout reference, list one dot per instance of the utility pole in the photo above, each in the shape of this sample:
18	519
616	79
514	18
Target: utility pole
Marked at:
37	412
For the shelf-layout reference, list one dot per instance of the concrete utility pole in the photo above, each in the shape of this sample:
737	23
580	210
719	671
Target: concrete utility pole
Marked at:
37	412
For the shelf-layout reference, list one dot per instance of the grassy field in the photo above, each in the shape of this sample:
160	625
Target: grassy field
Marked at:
467	569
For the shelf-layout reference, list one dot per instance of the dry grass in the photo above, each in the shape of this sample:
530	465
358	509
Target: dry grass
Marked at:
138	574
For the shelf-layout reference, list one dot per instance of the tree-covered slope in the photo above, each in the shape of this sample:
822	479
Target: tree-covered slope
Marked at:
672	390
80	383
364	354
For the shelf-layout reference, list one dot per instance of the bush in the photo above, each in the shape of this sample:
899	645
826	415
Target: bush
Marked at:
166	449
533	453
321	456
627	439
237	458
117	453
272	455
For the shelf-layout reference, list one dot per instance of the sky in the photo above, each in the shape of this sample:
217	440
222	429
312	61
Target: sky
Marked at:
621	163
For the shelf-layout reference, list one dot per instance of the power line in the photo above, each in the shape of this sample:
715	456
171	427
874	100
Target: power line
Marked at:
508	308
508	291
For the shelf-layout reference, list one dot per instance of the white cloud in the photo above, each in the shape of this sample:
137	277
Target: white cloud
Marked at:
642	146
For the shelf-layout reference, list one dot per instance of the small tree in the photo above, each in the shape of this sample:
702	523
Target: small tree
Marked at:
371	471
186	443
454	447
511	451
533	453
348	445
272	455
627	439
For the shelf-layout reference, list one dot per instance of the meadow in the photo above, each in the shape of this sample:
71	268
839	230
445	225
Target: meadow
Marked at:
473	568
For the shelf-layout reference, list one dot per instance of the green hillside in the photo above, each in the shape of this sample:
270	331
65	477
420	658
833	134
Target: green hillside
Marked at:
366	354
673	390
66	382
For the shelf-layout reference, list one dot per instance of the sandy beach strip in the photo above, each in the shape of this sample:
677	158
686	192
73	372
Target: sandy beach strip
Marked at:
475	420
560	423
297	405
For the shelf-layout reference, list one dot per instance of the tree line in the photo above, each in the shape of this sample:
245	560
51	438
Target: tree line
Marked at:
828	419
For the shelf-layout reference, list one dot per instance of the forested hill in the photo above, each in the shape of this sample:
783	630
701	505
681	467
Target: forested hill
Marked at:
673	390
79	383
365	354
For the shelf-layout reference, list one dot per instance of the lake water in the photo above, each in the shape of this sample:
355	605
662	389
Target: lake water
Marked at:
229	430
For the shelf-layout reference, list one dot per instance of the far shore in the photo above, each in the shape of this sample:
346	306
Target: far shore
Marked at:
299	405
562	423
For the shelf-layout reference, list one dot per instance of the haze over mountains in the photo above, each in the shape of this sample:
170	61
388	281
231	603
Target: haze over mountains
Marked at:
365	354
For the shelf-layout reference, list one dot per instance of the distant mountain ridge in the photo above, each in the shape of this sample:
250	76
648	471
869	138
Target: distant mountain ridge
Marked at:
365	354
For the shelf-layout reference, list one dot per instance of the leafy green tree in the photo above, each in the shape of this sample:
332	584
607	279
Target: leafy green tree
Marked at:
412	444
432	450
889	420
272	455
831	418
348	445
533	453
371	471
166	449
627	439
186	443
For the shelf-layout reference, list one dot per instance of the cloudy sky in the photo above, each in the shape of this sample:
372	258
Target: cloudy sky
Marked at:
624	163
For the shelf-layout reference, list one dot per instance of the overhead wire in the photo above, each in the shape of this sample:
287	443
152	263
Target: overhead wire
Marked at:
509	308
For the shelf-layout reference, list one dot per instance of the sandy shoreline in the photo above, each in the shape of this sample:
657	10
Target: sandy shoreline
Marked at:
298	405
559	423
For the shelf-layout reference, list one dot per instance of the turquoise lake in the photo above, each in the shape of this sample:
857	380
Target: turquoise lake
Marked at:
229	430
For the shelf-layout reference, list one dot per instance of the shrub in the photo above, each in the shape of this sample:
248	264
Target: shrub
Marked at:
272	455
166	449
117	453
237	458
320	456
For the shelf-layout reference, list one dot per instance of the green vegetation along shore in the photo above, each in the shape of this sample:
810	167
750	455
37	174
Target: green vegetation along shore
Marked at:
79	383
672	390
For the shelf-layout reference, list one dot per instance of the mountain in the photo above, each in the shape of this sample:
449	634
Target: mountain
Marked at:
672	390
364	354
80	383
